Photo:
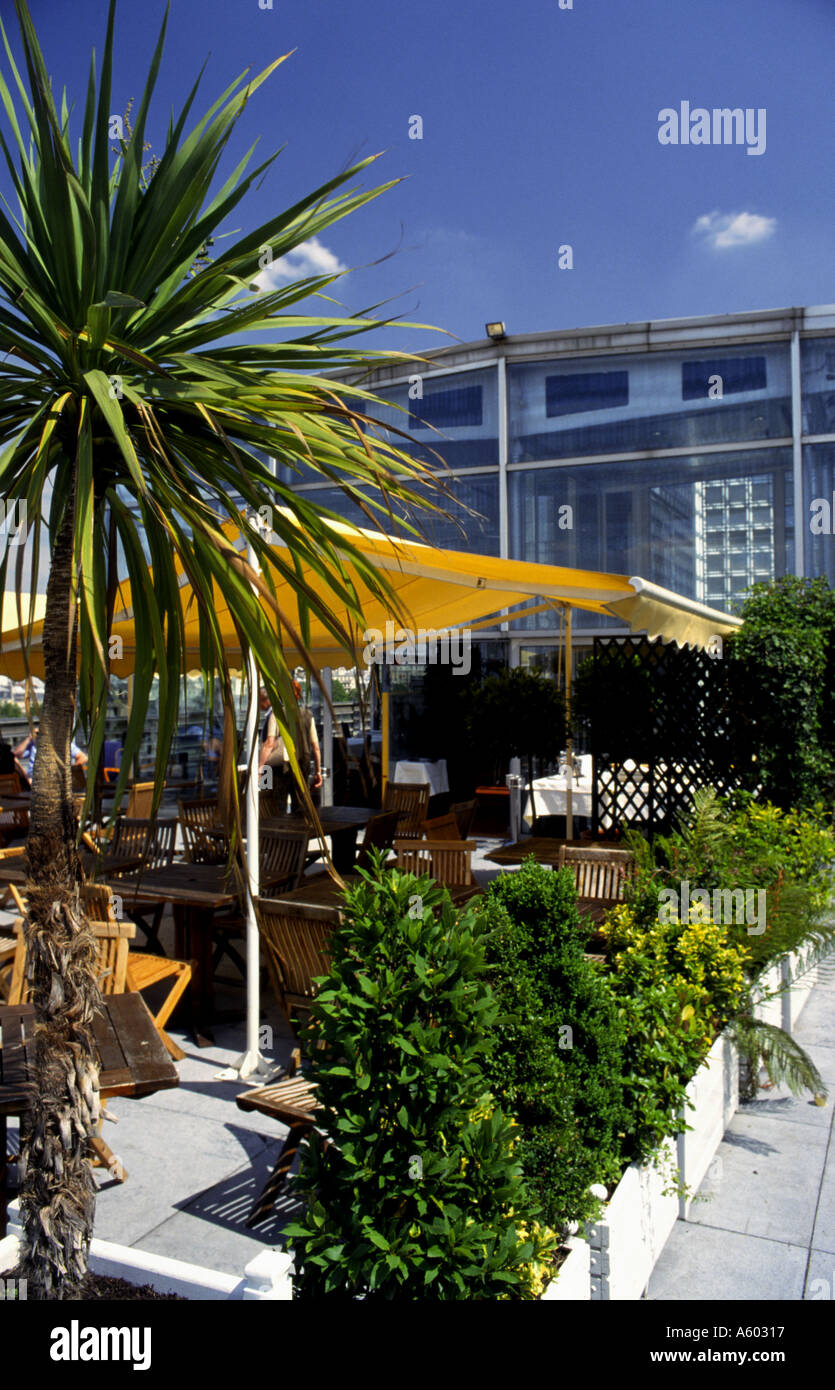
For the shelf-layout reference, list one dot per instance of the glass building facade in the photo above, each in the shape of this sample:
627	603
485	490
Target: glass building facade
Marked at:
696	453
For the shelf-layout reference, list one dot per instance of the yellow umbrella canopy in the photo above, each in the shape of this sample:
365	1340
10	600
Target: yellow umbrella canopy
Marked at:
436	589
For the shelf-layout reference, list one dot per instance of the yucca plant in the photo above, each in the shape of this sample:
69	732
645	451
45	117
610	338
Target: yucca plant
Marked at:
134	421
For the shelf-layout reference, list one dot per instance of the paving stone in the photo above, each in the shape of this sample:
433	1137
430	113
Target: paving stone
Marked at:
706	1263
770	1173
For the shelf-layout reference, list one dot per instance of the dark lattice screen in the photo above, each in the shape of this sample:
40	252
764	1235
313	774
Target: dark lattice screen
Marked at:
661	725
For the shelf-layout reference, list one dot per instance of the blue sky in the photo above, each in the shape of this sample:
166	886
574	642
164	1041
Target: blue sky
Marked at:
540	129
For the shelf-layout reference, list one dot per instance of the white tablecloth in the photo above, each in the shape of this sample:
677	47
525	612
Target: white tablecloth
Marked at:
549	794
433	773
550	799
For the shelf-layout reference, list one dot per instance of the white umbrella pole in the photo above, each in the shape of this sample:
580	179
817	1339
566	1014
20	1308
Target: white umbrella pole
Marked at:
251	1063
327	739
569	754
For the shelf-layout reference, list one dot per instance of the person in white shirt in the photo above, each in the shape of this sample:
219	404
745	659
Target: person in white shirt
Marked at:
26	752
273	752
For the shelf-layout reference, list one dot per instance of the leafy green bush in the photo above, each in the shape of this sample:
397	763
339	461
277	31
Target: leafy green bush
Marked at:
737	844
677	984
744	843
420	1195
558	1062
782	664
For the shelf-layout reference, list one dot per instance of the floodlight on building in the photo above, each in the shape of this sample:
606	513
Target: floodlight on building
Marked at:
496	331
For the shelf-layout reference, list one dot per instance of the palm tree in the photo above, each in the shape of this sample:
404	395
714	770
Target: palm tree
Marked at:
132	417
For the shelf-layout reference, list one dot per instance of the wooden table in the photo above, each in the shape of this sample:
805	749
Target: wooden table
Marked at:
14	870
544	850
320	890
341	823
133	1062
196	892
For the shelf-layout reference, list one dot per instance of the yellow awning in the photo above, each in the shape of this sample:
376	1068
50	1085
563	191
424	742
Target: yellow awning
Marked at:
437	589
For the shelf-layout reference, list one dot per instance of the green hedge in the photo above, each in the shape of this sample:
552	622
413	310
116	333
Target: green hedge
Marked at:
421	1194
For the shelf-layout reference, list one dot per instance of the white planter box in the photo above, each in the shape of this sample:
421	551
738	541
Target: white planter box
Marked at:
628	1239
714	1091
266	1277
785	1008
572	1284
800	991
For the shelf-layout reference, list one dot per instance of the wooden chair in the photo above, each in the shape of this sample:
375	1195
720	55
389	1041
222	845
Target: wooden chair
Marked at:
196	817
447	861
14	852
13	823
140	800
599	876
281	866
268	805
297	949
412	800
8	946
297	946
7	942
283	856
155	842
143	970
379	834
464	812
293	1103
442	828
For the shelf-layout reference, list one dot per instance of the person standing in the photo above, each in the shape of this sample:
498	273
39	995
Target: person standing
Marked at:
274	755
26	752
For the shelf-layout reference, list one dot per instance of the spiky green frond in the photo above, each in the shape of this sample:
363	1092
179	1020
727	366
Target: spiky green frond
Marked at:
126	385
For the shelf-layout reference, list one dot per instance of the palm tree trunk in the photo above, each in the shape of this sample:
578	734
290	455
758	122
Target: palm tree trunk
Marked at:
57	1188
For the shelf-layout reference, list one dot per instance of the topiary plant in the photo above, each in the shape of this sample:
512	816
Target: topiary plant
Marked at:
559	1063
418	1194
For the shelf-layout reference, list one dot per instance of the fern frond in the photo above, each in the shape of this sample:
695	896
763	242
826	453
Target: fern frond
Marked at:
785	1060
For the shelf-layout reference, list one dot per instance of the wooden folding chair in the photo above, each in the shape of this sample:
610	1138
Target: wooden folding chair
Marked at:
281	866
13	823
12	852
196	817
412	799
447	861
155	843
293	1103
140	800
268	805
464	812
442	828
8	947
297	948
379	834
142	969
599	876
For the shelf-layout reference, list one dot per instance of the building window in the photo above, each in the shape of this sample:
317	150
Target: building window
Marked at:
453	409
736	373
582	391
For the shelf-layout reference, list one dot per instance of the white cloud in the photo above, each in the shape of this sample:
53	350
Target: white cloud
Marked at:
723	229
306	259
